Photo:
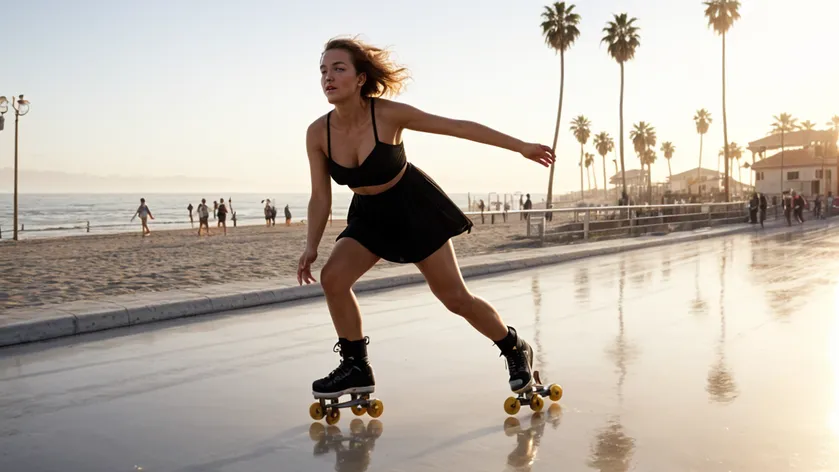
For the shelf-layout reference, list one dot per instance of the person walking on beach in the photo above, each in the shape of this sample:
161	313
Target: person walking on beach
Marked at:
269	211
222	216
397	212
144	213
189	209
203	217
215	208
287	212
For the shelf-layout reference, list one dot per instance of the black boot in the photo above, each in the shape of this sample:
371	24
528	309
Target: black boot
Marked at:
353	375
519	356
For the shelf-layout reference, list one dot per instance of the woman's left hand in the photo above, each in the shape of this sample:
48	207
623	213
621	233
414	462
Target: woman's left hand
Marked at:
538	153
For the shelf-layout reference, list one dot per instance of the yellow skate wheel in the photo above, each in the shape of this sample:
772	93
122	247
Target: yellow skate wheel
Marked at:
375	409
358	410
333	416
316	411
512	405
536	402
556	392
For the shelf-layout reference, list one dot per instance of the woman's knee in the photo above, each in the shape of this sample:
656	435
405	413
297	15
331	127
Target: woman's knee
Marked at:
457	300
334	280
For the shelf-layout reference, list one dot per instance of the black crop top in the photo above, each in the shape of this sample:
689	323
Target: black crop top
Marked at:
381	166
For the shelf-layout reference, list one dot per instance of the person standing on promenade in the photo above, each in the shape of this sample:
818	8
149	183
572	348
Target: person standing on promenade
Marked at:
144	213
397	213
287	212
189	209
203	217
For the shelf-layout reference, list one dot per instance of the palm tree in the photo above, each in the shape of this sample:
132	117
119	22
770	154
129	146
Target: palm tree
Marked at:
559	27
590	162
736	152
783	124
622	37
668	149
604	145
581	127
643	138
721	16
703	122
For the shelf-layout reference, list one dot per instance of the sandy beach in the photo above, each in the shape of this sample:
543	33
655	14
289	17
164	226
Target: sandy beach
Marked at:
47	271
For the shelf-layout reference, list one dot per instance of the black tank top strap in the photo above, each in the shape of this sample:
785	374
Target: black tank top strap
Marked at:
373	114
328	137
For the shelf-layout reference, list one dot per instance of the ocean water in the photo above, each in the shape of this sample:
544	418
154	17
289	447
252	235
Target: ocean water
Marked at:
53	215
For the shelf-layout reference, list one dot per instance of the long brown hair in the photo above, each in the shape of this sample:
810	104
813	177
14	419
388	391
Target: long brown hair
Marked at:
384	77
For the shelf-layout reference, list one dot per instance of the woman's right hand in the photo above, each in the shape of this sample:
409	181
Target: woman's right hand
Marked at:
304	266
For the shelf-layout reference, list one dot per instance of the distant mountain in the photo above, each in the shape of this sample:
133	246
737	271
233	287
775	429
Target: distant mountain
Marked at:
38	181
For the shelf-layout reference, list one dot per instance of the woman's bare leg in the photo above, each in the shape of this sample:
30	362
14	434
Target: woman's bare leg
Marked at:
446	282
347	263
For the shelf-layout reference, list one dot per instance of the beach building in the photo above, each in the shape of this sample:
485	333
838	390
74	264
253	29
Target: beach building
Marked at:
808	163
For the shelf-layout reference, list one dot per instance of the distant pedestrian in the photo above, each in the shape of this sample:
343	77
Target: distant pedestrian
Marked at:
215	208
528	205
763	203
144	213
287	215
222	215
203	217
189	209
268	210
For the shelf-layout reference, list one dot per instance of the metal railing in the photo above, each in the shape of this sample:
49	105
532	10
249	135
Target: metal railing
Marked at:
584	223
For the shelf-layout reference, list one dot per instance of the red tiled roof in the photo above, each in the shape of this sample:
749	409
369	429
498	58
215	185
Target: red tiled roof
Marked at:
793	158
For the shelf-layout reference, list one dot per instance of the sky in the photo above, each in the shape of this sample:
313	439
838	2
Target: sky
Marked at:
227	89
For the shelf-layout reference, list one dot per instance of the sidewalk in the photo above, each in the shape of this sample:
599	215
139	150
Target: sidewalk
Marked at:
47	322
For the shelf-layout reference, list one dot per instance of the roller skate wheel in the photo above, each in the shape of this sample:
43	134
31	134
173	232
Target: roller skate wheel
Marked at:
316	411
375	409
512	405
556	392
358	410
536	402
333	416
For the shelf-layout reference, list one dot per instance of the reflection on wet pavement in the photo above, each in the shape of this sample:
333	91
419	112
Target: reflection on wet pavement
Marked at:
714	356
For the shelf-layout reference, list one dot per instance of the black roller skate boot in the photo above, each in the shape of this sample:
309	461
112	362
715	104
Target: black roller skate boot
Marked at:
519	356
353	375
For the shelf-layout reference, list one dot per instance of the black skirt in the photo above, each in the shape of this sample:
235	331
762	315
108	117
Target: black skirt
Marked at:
408	222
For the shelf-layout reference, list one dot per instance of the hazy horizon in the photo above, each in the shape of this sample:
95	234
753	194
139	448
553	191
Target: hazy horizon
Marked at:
226	91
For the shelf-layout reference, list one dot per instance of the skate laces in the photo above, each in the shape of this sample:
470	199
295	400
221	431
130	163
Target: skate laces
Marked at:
514	361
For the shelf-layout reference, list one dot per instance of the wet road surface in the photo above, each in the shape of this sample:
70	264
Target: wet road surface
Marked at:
713	356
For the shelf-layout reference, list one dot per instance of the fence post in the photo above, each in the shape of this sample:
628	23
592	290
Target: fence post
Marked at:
527	219
586	222
1	232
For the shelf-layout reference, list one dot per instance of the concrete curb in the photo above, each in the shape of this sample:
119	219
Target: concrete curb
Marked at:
68	319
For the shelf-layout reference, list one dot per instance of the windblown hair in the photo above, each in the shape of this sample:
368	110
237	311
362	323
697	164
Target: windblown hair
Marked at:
384	77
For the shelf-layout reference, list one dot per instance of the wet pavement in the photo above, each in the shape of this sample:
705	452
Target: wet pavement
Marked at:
712	356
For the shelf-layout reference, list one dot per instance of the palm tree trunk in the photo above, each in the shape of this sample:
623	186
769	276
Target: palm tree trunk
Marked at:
556	130
699	169
582	191
605	182
623	167
725	123
594	174
782	163
669	172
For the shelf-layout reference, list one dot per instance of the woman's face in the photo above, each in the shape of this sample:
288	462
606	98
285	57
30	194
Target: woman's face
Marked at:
338	77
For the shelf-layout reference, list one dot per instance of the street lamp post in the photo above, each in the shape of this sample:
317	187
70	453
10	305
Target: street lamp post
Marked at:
21	107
